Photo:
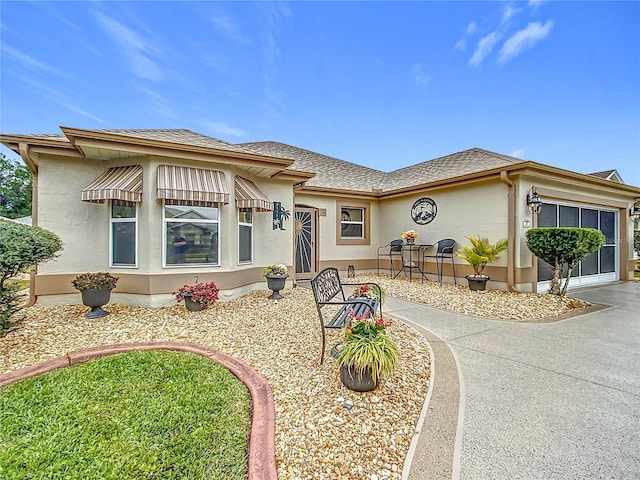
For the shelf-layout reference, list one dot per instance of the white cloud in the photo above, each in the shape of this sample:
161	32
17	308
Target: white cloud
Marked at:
227	26
535	3
60	98
221	128
136	49
508	12
28	61
419	76
470	30
524	39
484	47
518	153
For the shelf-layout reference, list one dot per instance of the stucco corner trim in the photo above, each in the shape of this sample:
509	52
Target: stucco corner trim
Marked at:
262	459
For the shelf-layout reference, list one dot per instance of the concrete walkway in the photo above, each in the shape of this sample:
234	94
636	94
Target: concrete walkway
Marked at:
557	400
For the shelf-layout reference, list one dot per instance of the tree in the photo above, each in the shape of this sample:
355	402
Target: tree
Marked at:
561	247
21	247
15	188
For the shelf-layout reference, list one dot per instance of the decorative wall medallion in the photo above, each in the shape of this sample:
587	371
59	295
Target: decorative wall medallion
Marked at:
424	210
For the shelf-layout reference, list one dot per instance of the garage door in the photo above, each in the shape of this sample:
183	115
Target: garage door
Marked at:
598	267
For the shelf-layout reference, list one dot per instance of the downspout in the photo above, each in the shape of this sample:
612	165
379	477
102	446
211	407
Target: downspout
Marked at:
511	231
31	165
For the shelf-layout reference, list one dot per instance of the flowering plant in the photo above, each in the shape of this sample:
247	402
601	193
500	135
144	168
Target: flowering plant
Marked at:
365	326
206	294
412	234
368	348
370	290
86	281
279	269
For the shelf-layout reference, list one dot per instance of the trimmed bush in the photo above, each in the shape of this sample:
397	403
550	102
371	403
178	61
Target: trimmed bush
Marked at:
636	241
563	246
21	247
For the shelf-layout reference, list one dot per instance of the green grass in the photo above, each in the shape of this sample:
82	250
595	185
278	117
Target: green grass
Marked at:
21	284
140	415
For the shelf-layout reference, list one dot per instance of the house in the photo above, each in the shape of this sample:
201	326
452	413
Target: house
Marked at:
160	207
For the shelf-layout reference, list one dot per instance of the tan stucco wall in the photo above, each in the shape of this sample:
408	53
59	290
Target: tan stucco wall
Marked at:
84	229
327	228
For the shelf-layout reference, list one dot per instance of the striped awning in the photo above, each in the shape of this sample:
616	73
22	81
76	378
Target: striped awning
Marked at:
192	185
115	183
248	195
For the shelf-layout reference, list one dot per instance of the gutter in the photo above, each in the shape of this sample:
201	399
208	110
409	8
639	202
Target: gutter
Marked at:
511	232
28	160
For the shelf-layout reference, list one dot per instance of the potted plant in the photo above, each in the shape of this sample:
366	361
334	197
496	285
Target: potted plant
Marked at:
276	276
410	236
95	289
478	255
368	354
370	290
198	296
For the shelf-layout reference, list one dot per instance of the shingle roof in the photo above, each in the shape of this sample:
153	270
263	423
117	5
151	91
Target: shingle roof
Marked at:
604	174
180	136
330	172
457	164
334	173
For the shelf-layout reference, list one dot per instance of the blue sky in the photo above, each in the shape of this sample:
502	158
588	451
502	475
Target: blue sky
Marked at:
382	84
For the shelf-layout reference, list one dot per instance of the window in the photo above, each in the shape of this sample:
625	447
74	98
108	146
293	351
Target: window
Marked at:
123	233
191	234
352	223
245	235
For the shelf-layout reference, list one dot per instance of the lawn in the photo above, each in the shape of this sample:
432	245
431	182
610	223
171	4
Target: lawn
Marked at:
147	414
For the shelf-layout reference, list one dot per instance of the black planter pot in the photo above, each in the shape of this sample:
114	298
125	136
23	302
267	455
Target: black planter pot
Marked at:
356	382
276	283
477	283
190	303
96	298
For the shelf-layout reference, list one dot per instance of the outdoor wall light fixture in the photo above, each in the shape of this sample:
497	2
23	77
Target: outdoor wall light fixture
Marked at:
634	214
533	201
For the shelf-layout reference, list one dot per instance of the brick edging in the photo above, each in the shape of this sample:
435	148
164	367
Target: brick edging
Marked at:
262	451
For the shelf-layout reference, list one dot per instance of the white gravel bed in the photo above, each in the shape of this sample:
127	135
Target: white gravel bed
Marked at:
496	304
323	430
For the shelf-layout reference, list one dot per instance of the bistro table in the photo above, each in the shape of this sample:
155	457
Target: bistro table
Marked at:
411	253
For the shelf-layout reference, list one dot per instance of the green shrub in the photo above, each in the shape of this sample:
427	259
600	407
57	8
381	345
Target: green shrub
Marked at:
563	246
21	247
636	241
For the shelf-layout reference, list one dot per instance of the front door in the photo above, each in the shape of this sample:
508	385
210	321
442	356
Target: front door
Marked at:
305	235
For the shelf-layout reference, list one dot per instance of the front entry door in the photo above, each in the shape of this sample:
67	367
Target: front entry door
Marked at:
305	235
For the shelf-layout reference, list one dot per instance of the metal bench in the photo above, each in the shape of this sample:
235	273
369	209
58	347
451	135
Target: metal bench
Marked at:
326	285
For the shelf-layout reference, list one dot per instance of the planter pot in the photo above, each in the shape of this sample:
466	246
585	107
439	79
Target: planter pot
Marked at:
96	298
477	283
191	304
276	283
353	381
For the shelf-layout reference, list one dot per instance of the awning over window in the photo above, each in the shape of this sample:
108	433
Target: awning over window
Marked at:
191	185
115	183
248	195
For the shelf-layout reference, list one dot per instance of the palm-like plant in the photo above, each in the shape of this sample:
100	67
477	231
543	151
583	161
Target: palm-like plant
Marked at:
481	252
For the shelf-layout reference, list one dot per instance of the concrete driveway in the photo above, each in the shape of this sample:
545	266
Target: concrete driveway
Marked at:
557	400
